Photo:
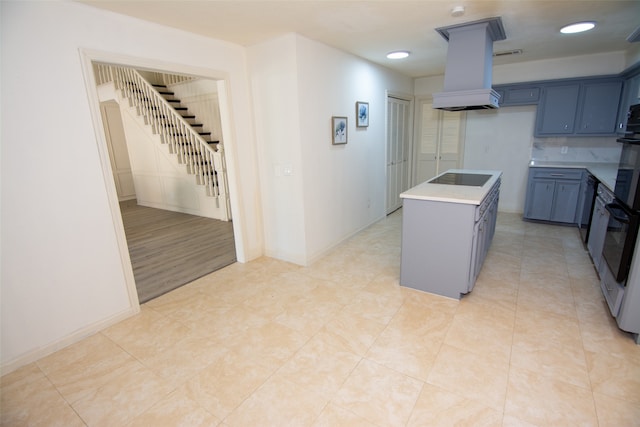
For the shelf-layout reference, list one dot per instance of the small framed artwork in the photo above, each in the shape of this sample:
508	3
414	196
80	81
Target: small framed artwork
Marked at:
339	130
362	114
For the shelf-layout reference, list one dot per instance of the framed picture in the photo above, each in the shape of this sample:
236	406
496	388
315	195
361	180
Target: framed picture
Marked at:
362	114
339	130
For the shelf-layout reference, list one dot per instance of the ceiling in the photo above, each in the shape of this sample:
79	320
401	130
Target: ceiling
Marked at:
371	29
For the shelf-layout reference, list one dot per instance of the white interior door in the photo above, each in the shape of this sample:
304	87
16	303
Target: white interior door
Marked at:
440	145
398	150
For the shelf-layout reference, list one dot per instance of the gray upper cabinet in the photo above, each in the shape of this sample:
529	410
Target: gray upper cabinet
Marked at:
570	107
599	108
518	95
630	96
557	110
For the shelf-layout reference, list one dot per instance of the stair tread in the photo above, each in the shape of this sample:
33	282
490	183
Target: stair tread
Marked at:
193	125
208	142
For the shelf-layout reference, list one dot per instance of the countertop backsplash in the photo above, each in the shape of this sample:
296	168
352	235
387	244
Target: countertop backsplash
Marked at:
569	150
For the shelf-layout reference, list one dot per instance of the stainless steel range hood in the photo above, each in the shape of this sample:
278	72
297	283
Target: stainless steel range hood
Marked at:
467	78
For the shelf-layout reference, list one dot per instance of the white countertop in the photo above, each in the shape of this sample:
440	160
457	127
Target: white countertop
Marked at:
464	194
605	172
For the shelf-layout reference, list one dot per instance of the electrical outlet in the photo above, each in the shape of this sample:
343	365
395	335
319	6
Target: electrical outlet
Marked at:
564	149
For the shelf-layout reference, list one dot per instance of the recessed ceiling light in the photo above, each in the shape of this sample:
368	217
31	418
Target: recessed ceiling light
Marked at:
457	11
578	27
398	54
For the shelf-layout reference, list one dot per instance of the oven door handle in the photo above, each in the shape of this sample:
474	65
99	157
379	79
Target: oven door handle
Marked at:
624	219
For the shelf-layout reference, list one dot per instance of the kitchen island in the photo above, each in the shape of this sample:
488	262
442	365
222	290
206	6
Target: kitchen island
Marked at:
448	223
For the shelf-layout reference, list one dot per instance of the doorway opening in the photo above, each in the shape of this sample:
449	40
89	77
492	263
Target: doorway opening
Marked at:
164	140
398	150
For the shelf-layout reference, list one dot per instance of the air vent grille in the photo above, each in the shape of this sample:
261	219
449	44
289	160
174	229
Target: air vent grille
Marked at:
508	52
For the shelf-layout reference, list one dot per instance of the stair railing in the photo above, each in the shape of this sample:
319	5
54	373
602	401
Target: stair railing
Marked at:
205	162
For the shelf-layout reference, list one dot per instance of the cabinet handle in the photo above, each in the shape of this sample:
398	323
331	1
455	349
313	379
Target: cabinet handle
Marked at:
557	174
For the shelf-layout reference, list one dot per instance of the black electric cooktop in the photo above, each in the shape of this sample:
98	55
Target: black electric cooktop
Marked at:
470	179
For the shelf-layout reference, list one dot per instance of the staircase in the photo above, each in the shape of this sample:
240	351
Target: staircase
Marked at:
176	127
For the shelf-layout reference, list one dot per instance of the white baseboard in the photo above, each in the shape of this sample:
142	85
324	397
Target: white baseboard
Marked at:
73	338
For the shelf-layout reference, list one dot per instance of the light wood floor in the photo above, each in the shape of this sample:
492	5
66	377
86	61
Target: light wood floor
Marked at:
169	249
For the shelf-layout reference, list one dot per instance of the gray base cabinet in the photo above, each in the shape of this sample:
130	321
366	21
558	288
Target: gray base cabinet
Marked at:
444	244
553	194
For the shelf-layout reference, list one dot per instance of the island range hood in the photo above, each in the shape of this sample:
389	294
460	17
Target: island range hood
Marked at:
467	77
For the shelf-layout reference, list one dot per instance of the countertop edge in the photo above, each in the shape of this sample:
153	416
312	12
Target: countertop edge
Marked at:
605	172
460	194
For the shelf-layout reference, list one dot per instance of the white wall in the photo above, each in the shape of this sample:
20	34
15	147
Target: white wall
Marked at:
491	144
344	185
331	191
274	85
559	68
62	276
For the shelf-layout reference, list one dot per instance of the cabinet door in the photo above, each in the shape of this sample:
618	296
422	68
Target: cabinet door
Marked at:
599	109
557	111
630	96
521	96
565	201
540	199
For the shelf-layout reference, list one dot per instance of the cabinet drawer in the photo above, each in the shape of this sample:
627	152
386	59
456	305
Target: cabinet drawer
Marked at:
558	173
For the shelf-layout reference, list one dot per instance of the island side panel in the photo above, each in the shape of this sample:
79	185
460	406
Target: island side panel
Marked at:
437	241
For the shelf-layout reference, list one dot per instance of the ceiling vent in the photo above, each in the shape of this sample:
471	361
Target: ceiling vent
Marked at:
507	53
467	78
635	36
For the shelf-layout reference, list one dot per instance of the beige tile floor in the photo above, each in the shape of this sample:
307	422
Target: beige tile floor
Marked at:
340	343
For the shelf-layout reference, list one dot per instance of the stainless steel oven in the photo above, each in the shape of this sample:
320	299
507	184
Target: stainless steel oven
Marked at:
620	278
620	239
624	211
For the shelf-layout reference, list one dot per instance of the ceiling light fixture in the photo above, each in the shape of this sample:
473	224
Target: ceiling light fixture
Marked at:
457	11
578	27
400	54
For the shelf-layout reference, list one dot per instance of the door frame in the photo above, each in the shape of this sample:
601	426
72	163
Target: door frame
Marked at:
88	57
410	132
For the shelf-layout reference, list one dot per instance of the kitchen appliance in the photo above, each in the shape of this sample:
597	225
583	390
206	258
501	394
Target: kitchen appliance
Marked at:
624	211
467	77
584	221
457	178
632	133
620	277
598	228
620	239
